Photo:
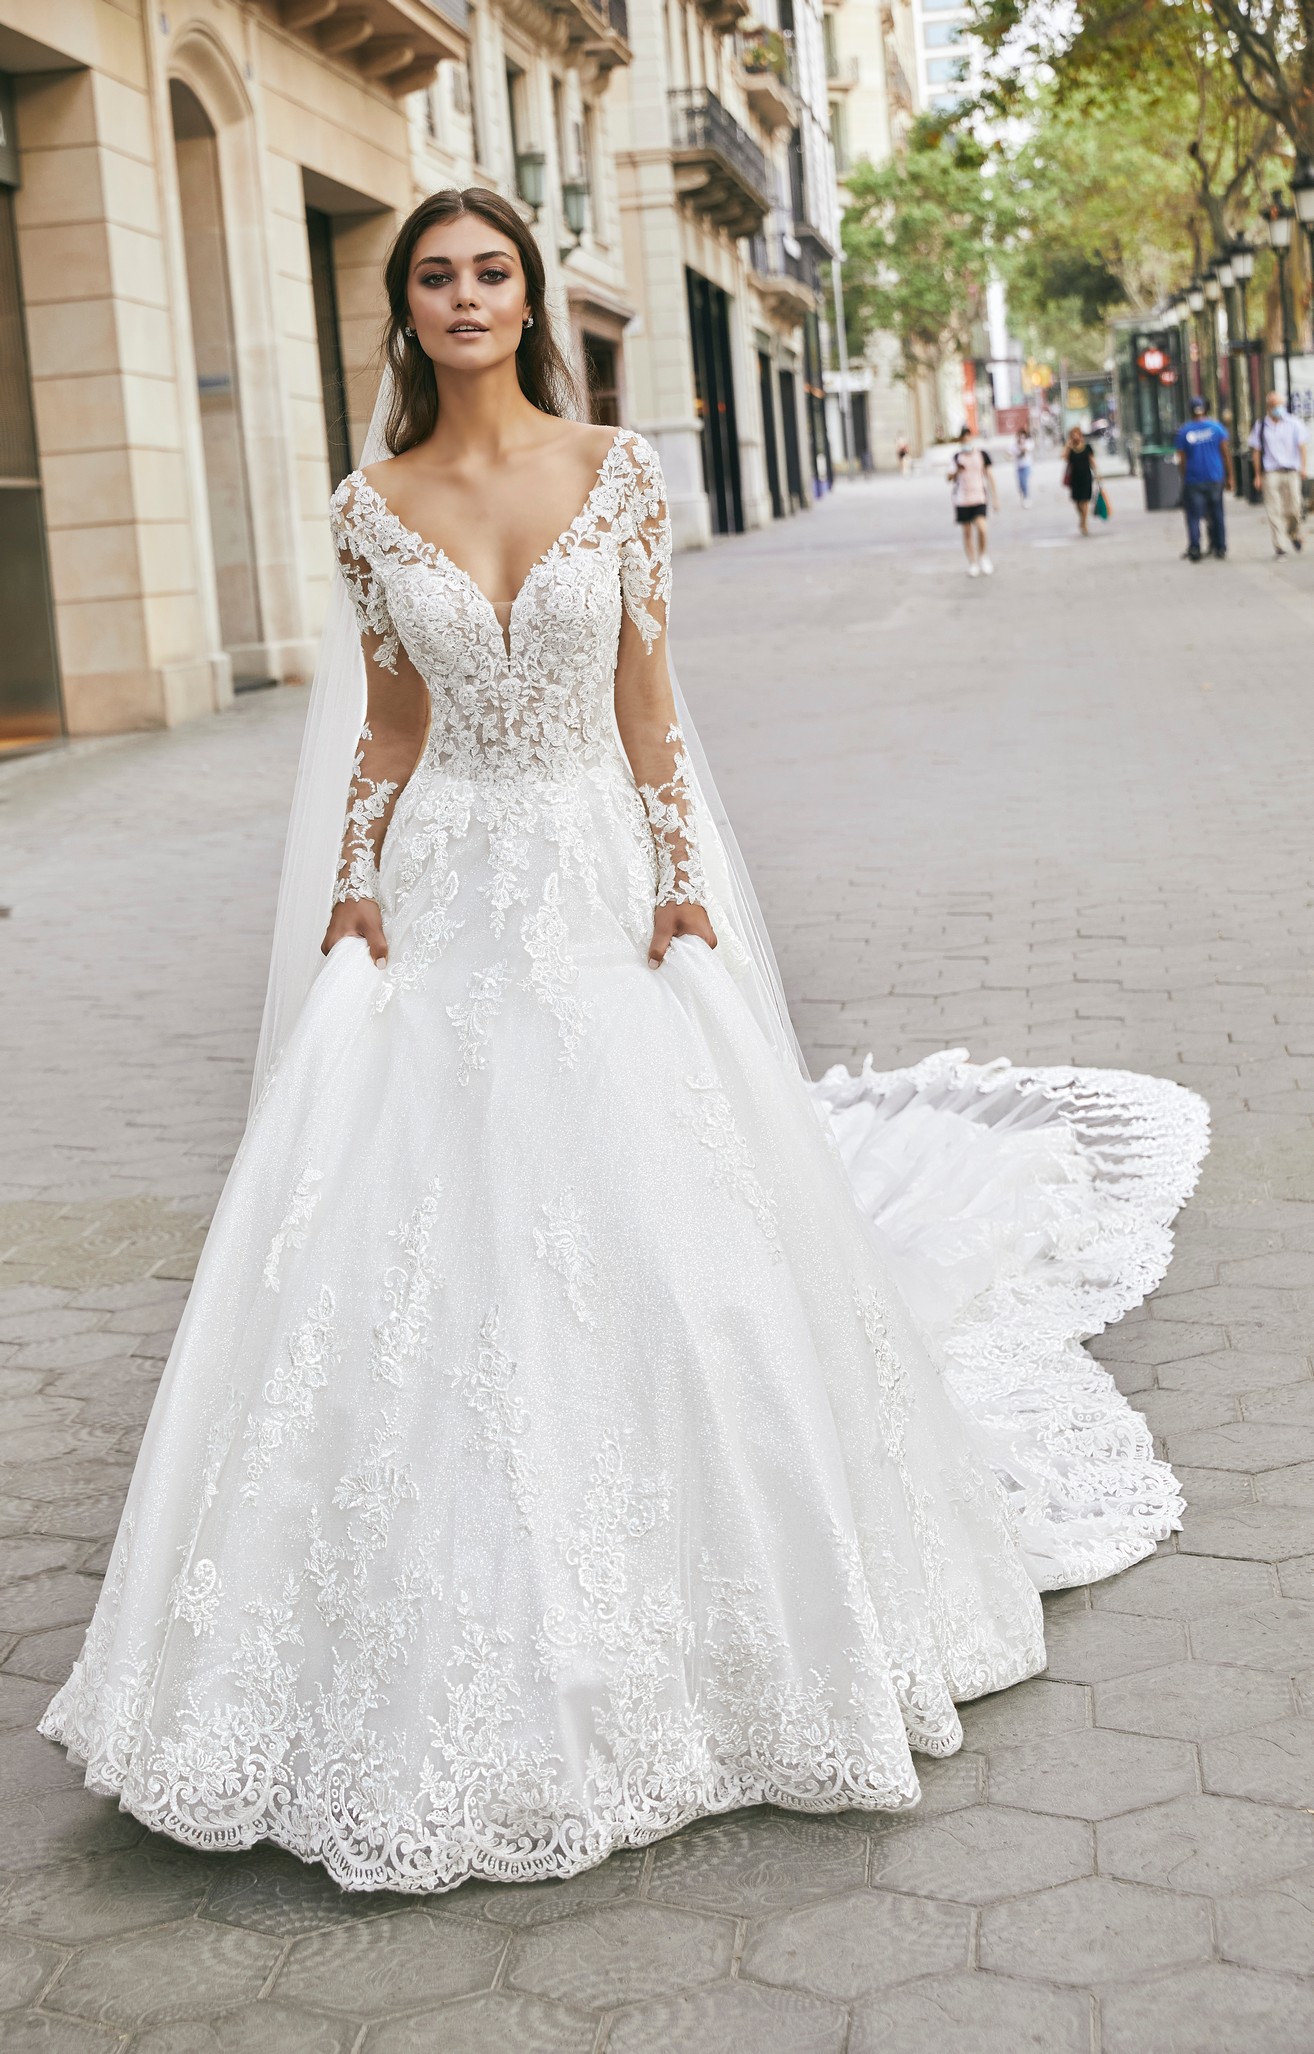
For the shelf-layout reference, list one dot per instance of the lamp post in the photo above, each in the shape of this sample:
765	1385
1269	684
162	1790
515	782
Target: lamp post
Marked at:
1242	259
1213	292
1195	300
1302	194
1279	220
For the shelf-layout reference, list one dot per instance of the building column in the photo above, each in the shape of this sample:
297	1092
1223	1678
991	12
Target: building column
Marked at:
138	647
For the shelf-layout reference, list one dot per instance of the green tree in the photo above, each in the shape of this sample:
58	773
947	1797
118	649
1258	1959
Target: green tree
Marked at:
917	237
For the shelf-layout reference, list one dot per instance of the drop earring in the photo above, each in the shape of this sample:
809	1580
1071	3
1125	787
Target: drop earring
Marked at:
528	321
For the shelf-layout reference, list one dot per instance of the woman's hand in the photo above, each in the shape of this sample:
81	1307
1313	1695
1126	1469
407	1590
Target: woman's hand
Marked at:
668	921
357	916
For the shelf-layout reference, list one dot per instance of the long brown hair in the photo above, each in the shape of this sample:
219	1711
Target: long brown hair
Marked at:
545	377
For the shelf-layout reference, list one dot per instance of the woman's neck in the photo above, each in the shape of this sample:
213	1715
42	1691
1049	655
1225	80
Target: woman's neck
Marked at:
481	414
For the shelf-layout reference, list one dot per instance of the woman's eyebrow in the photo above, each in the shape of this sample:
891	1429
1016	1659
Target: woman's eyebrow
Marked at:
482	258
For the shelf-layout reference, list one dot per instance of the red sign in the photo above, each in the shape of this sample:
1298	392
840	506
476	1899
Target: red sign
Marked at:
1153	361
1167	377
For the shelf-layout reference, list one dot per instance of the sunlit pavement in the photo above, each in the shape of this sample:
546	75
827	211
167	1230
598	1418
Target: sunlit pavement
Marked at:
1061	813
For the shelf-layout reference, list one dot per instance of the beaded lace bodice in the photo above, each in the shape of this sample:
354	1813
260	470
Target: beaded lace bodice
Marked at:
537	703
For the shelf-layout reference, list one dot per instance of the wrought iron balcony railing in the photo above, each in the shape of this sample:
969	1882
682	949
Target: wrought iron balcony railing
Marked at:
719	168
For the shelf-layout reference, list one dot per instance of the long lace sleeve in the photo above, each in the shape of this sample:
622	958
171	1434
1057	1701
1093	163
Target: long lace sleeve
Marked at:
385	751
645	704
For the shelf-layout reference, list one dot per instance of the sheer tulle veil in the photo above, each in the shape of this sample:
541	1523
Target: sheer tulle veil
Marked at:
334	716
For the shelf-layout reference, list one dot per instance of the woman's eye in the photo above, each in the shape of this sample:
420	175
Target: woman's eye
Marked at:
436	278
494	277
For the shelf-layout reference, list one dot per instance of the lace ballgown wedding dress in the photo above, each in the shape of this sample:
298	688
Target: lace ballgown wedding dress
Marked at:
552	1450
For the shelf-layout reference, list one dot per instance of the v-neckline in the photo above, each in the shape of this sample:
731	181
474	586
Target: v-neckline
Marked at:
436	551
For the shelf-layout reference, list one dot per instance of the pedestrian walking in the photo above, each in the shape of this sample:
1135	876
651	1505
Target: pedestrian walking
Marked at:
1023	450
1080	475
901	453
1280	442
972	478
1204	451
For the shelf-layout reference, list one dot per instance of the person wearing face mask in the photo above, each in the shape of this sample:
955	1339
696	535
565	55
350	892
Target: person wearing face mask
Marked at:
1280	441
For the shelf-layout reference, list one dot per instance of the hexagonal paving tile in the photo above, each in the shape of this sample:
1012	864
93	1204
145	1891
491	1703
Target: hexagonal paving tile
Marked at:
22	1701
1293	1486
946	1786
182	1971
151	1884
1183	1587
976	1856
1192	1700
1247	1444
854	1945
755	1862
1252	1533
395	1963
25	1965
1025	1712
1275	1635
1207	1844
621	1954
1091	1774
1093	1931
30	1765
732	2018
1284	1400
47	1656
1274	1764
62	1825
1271	1928
1296	1578
269	1891
481	2025
37	2032
1233	1370
972	2013
1094	1646
1213	2009
535	1904
251	2029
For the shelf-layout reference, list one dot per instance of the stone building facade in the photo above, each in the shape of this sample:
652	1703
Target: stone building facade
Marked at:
195	200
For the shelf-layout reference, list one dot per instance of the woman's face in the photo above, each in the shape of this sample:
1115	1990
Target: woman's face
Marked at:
466	294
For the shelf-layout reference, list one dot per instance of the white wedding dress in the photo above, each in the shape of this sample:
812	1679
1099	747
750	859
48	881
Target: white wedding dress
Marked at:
552	1450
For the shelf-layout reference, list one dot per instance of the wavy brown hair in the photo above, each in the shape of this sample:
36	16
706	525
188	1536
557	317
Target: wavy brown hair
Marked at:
545	376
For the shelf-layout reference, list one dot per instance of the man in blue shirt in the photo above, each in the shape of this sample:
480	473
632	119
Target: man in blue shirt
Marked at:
1205	455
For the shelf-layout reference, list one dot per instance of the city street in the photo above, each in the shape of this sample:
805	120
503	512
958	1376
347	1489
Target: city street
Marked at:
1059	814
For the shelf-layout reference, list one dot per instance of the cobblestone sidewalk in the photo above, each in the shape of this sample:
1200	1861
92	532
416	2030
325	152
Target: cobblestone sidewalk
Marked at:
1062	814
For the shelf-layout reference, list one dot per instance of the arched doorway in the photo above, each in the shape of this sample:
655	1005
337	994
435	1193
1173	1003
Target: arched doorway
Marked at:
210	299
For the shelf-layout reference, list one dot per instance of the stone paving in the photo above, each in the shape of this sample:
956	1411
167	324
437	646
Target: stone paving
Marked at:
1060	814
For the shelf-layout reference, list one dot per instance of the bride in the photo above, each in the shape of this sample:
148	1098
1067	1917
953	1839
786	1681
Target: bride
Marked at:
580	1423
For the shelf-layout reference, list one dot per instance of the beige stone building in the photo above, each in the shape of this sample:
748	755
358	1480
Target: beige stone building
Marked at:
728	201
195	199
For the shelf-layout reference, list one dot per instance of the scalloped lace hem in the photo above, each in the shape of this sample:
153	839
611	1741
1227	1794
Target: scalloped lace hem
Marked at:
1088	1495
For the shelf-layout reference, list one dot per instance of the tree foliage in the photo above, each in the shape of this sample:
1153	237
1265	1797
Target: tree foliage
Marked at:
918	235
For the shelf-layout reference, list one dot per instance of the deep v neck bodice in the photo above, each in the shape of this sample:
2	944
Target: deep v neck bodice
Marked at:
434	552
535	698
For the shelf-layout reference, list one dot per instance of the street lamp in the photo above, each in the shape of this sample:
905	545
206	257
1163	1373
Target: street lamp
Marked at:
575	208
1241	257
1213	292
1195	300
1279	220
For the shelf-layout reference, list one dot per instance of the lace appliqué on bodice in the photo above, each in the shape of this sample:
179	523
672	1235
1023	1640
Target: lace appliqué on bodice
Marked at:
535	706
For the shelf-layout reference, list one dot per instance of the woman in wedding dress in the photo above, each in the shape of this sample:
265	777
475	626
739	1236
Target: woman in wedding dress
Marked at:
580	1423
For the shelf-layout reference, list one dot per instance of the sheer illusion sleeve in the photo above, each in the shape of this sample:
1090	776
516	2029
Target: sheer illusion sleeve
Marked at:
383	747
645	704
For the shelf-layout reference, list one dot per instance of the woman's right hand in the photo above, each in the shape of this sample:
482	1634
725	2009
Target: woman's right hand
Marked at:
361	917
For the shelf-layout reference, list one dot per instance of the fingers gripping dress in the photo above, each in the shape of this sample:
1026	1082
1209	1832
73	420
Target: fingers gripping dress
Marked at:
547	1454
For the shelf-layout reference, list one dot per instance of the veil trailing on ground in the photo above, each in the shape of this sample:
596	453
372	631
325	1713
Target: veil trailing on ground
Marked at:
334	718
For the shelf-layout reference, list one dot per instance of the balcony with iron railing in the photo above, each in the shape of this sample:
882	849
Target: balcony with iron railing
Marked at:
785	275
766	65
599	29
397	43
719	170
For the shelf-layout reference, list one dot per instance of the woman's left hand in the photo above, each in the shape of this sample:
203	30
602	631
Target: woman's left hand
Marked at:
668	921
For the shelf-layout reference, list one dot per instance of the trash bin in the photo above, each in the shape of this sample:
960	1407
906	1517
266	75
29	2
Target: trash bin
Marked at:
1163	479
